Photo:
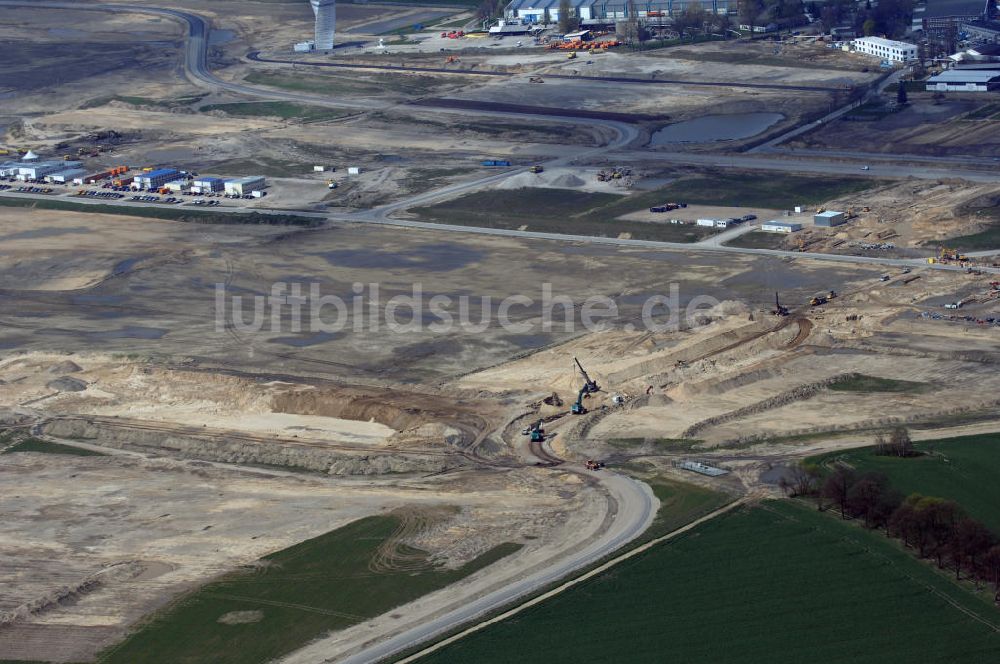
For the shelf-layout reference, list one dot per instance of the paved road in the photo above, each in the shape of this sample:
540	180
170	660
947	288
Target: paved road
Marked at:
653	244
719	239
782	162
636	508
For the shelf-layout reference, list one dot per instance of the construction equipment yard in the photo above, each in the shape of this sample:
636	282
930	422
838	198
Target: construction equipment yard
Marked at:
483	331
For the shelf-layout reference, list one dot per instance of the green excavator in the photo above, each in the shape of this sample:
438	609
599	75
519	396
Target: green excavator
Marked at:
537	433
578	408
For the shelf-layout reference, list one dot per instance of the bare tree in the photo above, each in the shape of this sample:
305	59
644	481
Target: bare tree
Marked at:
837	486
900	442
881	444
941	518
804	479
903	522
991	569
864	495
888	502
971	540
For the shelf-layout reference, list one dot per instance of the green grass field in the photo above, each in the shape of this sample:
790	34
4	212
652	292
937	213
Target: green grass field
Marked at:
781	192
278	109
555	211
771	584
963	469
863	383
165	212
45	447
988	238
680	504
326	583
986	211
594	214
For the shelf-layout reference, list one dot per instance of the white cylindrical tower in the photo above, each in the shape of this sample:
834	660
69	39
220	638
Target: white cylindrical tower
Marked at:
326	22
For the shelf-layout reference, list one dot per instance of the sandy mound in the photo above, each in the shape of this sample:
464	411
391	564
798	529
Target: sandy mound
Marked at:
567	180
67	384
65	367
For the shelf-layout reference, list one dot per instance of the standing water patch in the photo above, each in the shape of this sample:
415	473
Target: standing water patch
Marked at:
716	128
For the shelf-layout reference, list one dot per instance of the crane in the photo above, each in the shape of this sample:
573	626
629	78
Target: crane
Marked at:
589	385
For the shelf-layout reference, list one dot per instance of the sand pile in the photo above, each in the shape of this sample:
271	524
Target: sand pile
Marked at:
67	384
567	180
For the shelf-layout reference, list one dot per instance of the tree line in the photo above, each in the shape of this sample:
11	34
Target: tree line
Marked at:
932	527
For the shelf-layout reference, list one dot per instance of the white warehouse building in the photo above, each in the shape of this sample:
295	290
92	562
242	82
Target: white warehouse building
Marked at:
887	49
780	227
244	186
965	80
36	170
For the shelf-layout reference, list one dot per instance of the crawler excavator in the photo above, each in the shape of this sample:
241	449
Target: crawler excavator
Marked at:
779	308
578	408
590	386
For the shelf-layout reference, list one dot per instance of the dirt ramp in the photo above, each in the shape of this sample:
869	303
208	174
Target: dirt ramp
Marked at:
351	404
411	413
228	447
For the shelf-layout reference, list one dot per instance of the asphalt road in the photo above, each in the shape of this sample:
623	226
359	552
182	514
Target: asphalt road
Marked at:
636	507
653	244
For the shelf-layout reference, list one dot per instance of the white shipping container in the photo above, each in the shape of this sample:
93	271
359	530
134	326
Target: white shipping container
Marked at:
354	170
319	169
706	222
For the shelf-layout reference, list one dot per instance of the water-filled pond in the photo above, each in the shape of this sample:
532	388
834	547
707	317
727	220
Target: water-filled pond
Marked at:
716	128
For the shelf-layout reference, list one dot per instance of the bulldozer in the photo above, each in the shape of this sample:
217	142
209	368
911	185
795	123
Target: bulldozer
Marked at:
536	432
950	254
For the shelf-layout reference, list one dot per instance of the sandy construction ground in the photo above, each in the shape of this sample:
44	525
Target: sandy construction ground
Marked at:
147	530
69	251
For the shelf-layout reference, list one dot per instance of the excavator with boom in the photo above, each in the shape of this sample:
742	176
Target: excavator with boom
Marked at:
779	308
536	432
578	408
589	386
